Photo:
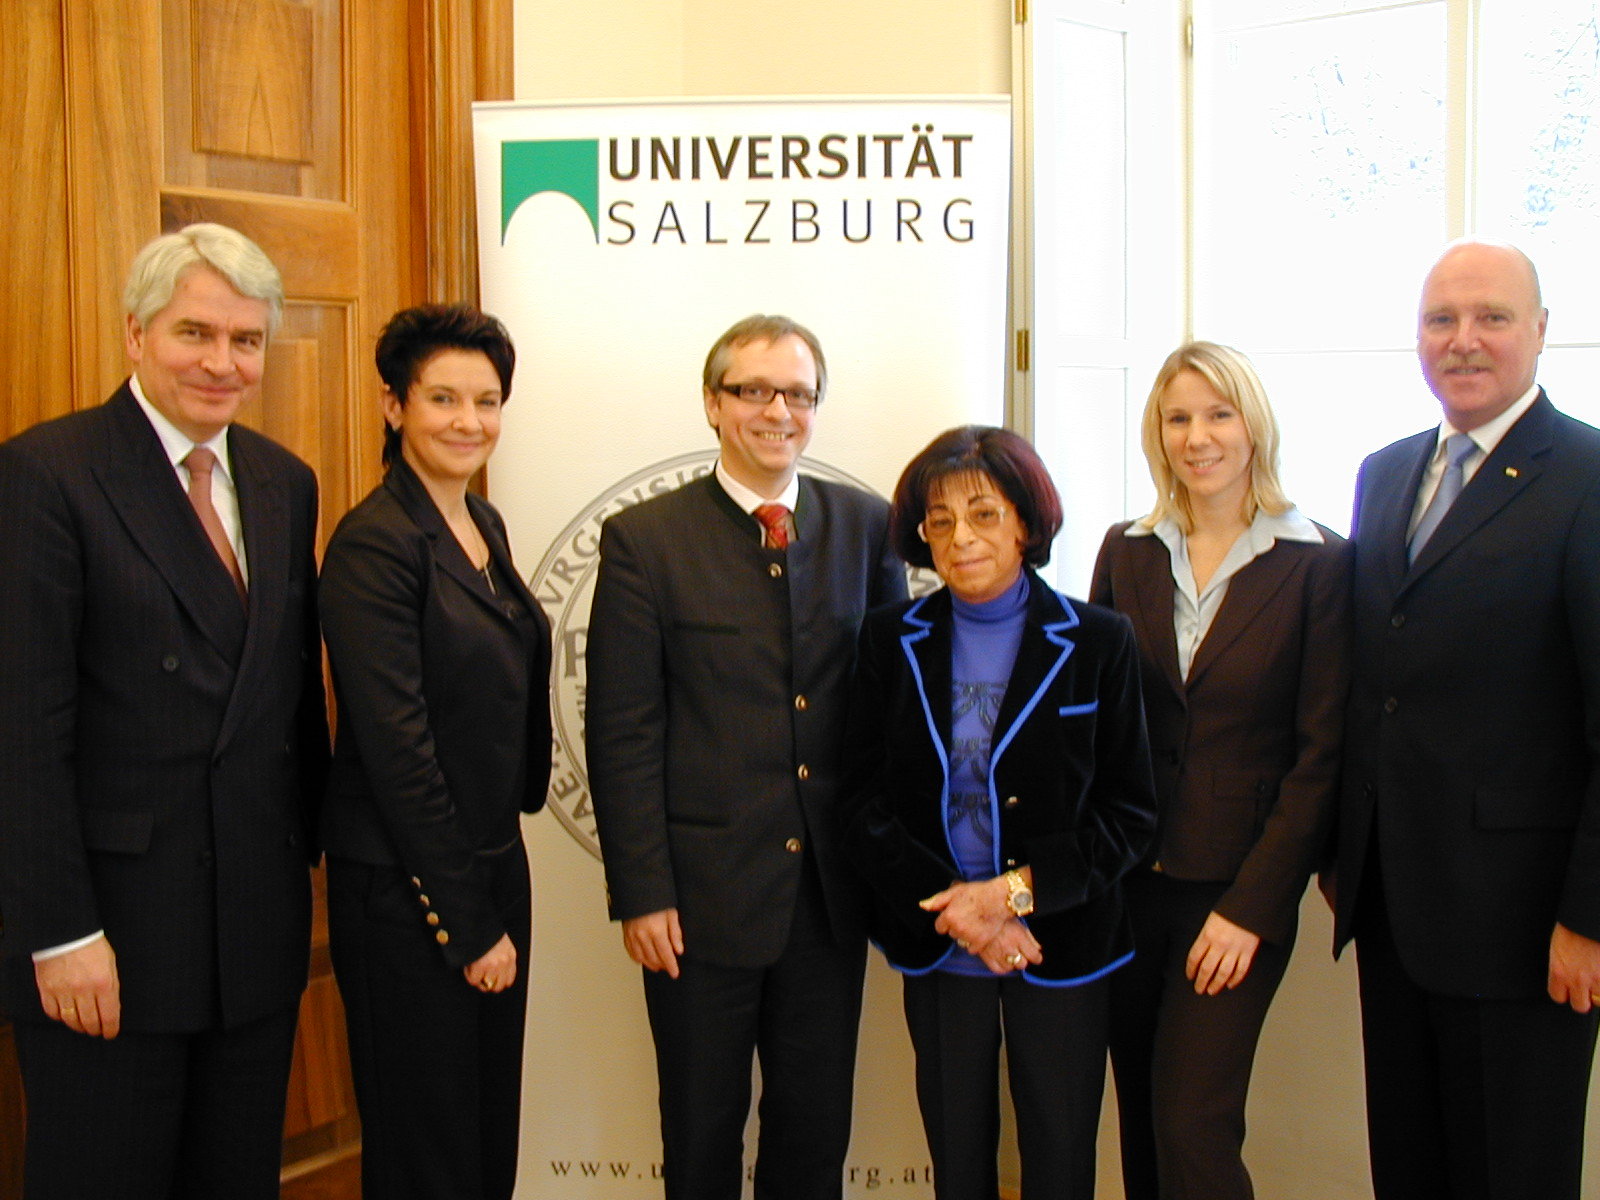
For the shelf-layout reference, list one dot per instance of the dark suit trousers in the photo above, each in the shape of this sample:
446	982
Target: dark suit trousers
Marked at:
1183	1061
1055	1040
799	1016
437	1064
1467	1098
155	1116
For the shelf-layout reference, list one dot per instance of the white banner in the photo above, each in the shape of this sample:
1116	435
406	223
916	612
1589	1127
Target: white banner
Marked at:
618	240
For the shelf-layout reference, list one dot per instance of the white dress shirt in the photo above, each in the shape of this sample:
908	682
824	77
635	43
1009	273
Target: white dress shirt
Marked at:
749	501
224	495
1486	437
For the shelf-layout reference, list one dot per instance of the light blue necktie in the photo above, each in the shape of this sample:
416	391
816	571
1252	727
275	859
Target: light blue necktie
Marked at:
1458	447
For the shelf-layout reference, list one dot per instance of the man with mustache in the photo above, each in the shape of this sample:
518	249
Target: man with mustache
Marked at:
1469	843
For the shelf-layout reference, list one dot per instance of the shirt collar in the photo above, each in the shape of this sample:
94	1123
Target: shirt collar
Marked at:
1290	526
748	500
174	441
1487	436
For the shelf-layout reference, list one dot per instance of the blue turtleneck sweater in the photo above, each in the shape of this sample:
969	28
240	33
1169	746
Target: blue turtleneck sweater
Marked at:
983	649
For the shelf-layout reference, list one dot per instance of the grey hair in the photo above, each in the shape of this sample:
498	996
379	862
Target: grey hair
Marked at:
158	266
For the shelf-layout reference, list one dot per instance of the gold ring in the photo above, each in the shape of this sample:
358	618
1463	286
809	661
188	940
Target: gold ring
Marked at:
69	1008
962	942
489	983
1015	960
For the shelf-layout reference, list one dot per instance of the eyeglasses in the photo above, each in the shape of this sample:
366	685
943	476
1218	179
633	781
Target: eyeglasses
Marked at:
980	518
797	399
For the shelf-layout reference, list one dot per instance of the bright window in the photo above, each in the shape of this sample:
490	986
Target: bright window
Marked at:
1332	147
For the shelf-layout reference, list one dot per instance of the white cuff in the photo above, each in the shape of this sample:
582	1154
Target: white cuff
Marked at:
67	947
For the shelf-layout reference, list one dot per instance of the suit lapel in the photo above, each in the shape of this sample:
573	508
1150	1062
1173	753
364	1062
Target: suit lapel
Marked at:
1388	517
264	520
448	555
1516	462
145	494
1047	643
808	531
1249	591
500	552
925	632
925	641
1151	605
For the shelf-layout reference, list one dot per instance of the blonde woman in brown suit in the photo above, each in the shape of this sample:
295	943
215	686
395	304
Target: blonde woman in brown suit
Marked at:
1240	607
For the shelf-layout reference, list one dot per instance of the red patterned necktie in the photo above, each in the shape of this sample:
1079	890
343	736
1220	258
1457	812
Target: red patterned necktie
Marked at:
200	462
774	519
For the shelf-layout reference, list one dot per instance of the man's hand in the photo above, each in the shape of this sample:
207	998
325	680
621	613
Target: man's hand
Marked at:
1221	955
80	989
496	970
654	941
1574	969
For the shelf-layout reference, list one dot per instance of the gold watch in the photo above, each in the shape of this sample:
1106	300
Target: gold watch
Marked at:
1019	896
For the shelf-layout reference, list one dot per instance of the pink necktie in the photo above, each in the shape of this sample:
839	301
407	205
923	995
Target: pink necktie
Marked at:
775	519
200	462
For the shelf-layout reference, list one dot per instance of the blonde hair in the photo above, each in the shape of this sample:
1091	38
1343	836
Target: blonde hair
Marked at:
1234	378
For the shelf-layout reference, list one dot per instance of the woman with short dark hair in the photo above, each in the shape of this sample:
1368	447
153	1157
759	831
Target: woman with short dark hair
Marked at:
998	787
441	662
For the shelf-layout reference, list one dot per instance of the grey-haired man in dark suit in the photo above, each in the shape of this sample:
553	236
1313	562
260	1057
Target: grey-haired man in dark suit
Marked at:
162	740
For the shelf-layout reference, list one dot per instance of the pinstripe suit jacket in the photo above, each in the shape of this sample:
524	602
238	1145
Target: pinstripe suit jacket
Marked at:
160	748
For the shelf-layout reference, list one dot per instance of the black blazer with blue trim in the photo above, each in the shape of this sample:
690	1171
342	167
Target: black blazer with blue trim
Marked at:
1069	778
443	701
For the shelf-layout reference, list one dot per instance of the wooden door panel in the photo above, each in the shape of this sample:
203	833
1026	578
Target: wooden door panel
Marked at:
36	379
255	96
334	133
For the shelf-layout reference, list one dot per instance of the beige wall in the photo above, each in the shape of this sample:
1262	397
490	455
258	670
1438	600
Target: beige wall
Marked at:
630	48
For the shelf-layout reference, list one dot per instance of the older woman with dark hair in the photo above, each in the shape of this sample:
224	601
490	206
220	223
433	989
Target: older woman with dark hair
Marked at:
999	787
441	662
1240	606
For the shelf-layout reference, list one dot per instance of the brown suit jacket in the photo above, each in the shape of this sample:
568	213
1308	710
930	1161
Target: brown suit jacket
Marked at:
1246	751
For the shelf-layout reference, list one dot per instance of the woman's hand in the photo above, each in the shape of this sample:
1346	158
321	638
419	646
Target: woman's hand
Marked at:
1012	949
973	913
496	970
1221	956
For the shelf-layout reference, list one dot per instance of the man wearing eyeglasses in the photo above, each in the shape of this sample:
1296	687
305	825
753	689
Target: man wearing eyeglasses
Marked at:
724	621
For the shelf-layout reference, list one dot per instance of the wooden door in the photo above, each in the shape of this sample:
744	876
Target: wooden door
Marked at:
335	134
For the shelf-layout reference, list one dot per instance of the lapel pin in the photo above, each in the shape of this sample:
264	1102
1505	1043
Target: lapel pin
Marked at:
1512	472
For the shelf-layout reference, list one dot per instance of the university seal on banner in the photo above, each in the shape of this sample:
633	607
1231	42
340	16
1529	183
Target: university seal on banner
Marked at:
563	583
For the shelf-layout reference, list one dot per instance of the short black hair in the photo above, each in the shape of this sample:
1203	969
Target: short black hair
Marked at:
1005	457
414	335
